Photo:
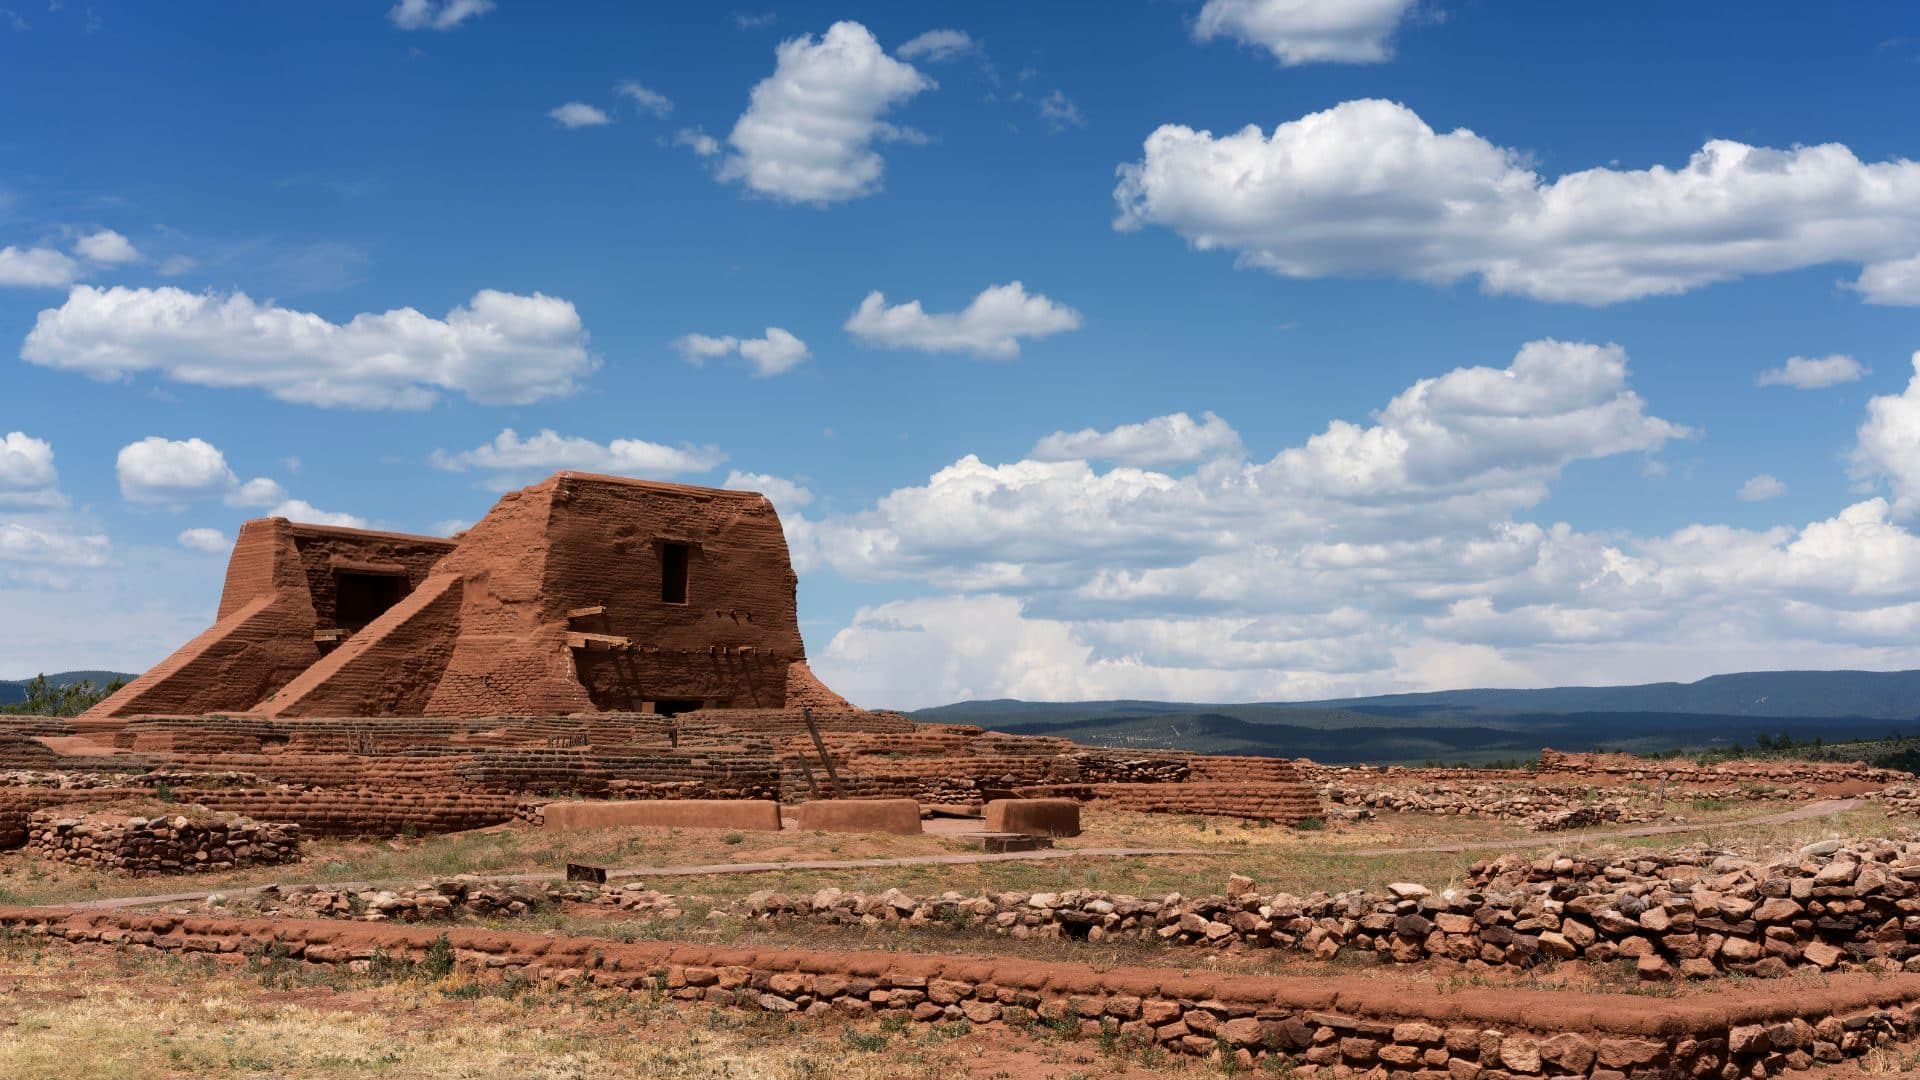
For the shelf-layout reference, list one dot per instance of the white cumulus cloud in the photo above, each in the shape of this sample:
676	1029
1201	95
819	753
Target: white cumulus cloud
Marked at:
211	541
1368	188
1308	31
107	247
36	268
1887	446
578	114
498	349
773	353
517	460
786	494
306	513
992	326
807	135
1809	373
1174	439
27	475
1895	283
1760	488
174	472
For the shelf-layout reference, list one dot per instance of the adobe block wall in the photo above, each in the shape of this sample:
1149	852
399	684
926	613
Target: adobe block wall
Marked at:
389	668
323	549
1355	1023
1269	802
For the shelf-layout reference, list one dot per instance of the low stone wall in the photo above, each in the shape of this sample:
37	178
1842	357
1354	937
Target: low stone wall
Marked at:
900	816
1256	801
1542	808
1314	1023
1691	913
759	815
1772	770
181	843
372	812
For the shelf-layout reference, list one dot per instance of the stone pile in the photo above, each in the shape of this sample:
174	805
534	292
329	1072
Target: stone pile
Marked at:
163	844
1541	808
1765	770
465	896
1691	913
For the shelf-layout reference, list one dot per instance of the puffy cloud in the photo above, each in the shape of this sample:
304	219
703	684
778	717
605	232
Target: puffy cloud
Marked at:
991	326
305	512
1760	488
1806	373
1887	446
1370	557
211	541
27	475
645	100
107	247
578	114
30	546
1164	440
774	353
808	133
174	472
428	15
36	268
516	460
1308	31
1367	188
1895	283
786	494
498	349
937	46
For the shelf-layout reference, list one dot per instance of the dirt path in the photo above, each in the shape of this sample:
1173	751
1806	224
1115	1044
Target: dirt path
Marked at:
1803	813
683	870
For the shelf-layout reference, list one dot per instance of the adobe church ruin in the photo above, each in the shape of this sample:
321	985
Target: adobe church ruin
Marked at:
581	593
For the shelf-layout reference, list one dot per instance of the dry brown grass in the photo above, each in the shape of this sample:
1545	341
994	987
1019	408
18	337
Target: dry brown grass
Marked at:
88	1013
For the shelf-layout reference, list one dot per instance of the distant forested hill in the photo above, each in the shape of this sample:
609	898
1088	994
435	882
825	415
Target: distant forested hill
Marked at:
1485	725
14	691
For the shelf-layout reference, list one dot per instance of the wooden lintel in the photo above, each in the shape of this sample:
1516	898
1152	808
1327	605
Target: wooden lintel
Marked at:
328	635
611	641
587	612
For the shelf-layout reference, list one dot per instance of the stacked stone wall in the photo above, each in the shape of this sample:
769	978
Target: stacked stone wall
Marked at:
1245	1019
176	843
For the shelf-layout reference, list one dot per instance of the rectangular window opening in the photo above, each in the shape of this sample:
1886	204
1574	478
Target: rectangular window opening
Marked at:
673	572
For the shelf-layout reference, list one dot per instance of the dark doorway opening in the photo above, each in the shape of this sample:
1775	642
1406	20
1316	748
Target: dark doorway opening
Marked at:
358	599
675	706
673	573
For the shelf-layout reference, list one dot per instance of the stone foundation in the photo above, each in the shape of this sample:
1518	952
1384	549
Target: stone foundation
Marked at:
183	843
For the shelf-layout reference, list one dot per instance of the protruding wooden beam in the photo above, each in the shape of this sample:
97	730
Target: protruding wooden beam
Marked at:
587	612
611	641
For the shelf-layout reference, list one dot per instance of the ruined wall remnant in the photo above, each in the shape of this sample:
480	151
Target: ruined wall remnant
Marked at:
582	593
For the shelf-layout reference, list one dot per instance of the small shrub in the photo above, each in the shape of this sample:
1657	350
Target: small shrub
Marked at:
732	838
1310	824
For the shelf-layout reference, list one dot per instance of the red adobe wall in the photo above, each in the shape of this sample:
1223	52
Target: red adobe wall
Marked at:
387	669
485	627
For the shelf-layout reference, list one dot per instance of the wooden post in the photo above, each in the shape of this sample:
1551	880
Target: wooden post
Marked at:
806	713
807	771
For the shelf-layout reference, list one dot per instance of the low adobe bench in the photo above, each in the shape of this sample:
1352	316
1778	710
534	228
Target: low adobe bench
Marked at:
859	816
760	814
1035	817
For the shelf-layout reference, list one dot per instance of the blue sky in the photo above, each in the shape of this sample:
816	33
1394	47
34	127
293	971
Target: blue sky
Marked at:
197	204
